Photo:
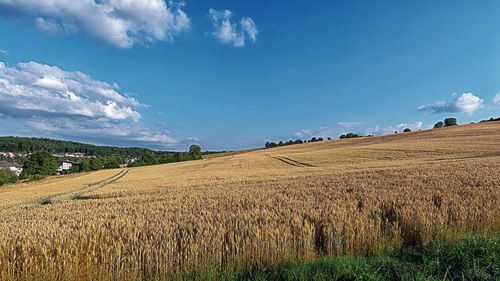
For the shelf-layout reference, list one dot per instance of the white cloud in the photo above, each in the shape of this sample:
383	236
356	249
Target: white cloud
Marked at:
72	104
193	139
119	22
3	52
396	128
496	99
349	124
303	133
465	103
232	33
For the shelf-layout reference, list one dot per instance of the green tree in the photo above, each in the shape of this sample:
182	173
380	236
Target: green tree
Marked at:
438	125
85	165
111	163
195	151
7	176
39	165
450	121
95	163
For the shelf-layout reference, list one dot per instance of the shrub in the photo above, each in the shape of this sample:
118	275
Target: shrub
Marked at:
7	176
450	122
406	130
349	135
438	125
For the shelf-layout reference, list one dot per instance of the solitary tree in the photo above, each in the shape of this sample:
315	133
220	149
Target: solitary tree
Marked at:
406	130
438	125
195	151
450	121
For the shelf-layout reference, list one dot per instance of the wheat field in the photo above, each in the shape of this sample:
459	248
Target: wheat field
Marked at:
233	210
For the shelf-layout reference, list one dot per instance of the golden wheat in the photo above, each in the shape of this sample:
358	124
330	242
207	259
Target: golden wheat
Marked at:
343	196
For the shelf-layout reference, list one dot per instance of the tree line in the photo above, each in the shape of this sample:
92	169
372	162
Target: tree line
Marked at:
29	145
269	144
451	121
42	163
147	159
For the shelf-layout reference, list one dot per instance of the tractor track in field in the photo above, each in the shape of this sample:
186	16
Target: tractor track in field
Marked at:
86	188
290	161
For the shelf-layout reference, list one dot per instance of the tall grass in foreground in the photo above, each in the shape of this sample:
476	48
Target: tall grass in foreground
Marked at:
471	258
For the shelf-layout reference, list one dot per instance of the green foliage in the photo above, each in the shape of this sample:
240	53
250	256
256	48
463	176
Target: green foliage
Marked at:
450	122
195	151
7	176
85	165
474	258
95	164
349	135
39	165
290	142
111	163
438	125
28	145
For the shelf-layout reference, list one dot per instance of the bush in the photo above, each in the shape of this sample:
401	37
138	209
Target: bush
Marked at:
7	176
450	122
349	135
438	125
406	130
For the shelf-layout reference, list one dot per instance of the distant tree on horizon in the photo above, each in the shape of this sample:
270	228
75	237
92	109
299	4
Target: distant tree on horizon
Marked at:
450	121
439	124
406	130
195	151
349	135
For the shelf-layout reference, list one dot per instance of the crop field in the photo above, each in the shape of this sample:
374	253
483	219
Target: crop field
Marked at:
351	196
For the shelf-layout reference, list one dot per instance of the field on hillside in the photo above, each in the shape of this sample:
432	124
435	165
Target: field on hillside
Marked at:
333	197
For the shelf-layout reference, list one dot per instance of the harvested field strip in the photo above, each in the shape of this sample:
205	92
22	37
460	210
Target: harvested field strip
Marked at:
290	161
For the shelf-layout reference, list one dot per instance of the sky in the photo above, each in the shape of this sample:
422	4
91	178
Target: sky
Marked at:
230	75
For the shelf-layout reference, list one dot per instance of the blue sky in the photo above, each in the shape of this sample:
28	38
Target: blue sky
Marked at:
234	74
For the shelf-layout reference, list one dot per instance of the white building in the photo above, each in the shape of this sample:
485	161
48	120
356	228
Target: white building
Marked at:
65	166
14	167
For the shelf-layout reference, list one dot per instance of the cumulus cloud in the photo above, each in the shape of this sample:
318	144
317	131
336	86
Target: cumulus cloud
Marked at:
465	103
232	33
72	104
396	128
118	22
496	99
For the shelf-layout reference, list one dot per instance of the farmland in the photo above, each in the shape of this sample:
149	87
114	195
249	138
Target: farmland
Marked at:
352	196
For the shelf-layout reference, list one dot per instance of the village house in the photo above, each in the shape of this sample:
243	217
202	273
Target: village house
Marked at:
8	154
14	167
66	166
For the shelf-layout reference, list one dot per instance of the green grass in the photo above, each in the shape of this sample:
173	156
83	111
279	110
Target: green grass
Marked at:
472	258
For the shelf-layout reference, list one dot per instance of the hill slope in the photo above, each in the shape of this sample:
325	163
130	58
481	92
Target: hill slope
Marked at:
343	196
